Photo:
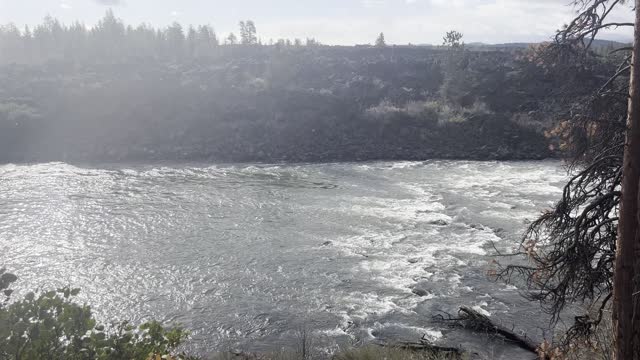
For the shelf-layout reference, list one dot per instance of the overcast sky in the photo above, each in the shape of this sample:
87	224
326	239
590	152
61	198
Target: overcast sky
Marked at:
330	21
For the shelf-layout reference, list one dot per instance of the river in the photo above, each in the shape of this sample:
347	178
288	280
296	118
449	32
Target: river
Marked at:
247	256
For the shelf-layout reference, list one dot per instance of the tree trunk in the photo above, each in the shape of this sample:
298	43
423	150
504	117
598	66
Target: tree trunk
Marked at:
626	312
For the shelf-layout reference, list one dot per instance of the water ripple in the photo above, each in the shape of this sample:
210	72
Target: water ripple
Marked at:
244	255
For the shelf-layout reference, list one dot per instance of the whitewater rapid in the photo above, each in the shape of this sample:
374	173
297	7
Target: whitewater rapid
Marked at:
247	256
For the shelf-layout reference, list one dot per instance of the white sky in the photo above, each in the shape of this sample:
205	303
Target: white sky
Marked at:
331	21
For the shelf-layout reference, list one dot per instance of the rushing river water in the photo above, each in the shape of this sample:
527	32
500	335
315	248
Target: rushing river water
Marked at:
248	255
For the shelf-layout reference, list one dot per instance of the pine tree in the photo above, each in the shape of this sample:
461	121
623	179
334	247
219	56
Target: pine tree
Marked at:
380	42
452	39
244	37
192	42
232	39
626	284
248	33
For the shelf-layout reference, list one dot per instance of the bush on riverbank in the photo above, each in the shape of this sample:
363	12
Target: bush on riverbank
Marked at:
50	325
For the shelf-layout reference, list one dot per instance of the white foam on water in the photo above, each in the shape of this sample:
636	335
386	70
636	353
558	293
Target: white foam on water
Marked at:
360	306
479	308
430	334
396	209
419	190
511	180
406	165
472	241
392	272
433	334
364	167
501	205
129	172
335	332
508	215
400	260
358	244
455	279
219	171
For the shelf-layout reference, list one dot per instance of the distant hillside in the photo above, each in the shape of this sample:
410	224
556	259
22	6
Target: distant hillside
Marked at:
597	43
117	93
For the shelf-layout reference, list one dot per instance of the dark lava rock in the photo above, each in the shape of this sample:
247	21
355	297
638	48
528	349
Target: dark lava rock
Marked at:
439	222
420	292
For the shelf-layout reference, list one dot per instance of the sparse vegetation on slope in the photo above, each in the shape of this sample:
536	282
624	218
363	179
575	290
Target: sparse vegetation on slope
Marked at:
185	96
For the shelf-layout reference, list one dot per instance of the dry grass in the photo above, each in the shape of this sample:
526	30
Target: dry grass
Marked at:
597	346
437	112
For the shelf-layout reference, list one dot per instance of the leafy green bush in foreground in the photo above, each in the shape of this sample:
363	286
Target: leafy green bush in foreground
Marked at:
50	326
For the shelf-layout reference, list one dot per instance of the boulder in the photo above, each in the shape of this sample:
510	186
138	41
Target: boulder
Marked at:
420	292
439	222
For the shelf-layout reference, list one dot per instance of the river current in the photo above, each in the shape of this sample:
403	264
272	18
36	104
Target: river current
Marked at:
249	256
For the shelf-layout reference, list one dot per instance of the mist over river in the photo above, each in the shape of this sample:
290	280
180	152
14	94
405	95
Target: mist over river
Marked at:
246	256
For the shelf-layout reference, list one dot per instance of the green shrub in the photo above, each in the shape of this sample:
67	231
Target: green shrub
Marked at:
50	326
